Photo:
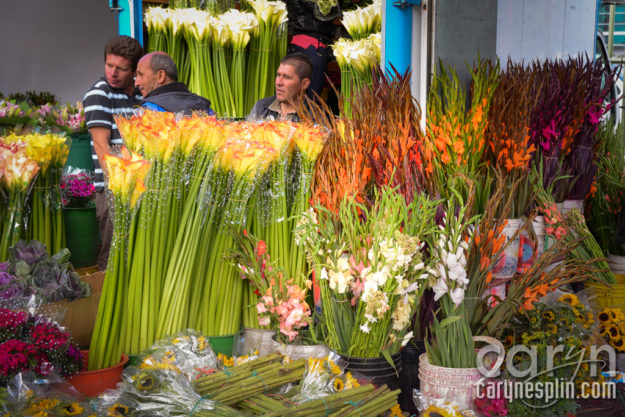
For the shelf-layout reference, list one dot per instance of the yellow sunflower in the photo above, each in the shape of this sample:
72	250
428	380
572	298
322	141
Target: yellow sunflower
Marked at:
618	343
604	316
44	404
552	328
396	411
434	411
339	384
508	341
118	409
569	299
41	413
613	331
73	409
548	315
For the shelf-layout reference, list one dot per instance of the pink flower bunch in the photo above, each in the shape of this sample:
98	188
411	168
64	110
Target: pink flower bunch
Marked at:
33	343
10	109
15	356
77	190
554	223
47	336
286	306
491	407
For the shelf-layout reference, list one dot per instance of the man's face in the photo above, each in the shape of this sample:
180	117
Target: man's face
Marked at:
146	78
288	84
118	71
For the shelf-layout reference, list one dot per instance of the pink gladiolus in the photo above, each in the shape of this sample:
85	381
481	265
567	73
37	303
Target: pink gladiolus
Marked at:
263	321
260	307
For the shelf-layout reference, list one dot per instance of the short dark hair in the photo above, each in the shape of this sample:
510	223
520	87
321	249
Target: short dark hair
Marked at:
126	47
301	62
161	61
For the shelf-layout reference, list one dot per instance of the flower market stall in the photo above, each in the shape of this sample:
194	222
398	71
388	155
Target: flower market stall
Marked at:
275	268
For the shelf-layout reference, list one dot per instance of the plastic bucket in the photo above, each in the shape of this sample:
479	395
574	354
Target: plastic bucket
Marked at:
568	205
81	235
617	265
256	339
409	375
92	383
506	265
223	344
295	351
607	297
378	370
80	152
459	384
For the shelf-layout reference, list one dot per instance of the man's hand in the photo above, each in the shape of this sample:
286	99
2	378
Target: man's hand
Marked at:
101	137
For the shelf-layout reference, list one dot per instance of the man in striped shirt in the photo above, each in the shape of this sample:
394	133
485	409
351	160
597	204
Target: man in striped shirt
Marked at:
112	94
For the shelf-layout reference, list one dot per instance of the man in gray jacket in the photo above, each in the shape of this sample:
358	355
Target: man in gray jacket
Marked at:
292	79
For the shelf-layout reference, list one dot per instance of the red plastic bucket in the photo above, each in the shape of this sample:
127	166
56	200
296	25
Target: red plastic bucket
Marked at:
93	383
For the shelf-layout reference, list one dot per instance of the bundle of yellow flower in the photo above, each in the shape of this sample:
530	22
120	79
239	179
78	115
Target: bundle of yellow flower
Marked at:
612	327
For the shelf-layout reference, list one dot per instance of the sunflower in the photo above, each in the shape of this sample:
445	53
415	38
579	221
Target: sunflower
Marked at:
569	299
73	409
508	341
548	315
338	384
350	381
434	411
44	404
396	411
552	328
618	343
336	370
201	343
143	381
613	331
118	409
41	413
604	316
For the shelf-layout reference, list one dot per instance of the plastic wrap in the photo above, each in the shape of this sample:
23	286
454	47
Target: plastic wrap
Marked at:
158	392
77	189
28	394
187	353
439	407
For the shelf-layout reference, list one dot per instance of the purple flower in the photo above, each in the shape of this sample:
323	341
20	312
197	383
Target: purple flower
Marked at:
5	278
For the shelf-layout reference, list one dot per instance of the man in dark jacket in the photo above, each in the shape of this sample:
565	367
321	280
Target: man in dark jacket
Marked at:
292	79
157	78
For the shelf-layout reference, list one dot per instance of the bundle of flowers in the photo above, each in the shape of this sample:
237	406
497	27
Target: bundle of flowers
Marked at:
77	189
30	271
371	269
612	327
229	57
46	223
33	343
17	177
70	118
363	21
126	184
359	60
456	136
568	106
555	321
607	195
28	396
281	305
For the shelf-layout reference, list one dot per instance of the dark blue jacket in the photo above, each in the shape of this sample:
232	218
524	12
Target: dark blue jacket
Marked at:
175	98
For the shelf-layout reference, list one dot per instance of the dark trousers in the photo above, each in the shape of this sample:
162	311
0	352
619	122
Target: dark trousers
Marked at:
317	51
105	224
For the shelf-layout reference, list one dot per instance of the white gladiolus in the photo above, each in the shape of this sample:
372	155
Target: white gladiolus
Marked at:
440	288
365	328
406	338
457	295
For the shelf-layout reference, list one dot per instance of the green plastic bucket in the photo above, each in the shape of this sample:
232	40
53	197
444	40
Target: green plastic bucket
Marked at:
223	344
81	235
80	152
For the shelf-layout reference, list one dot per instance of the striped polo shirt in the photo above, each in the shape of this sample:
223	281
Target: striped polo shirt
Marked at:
102	102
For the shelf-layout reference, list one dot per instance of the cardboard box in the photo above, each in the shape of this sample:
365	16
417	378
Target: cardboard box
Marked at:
80	315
